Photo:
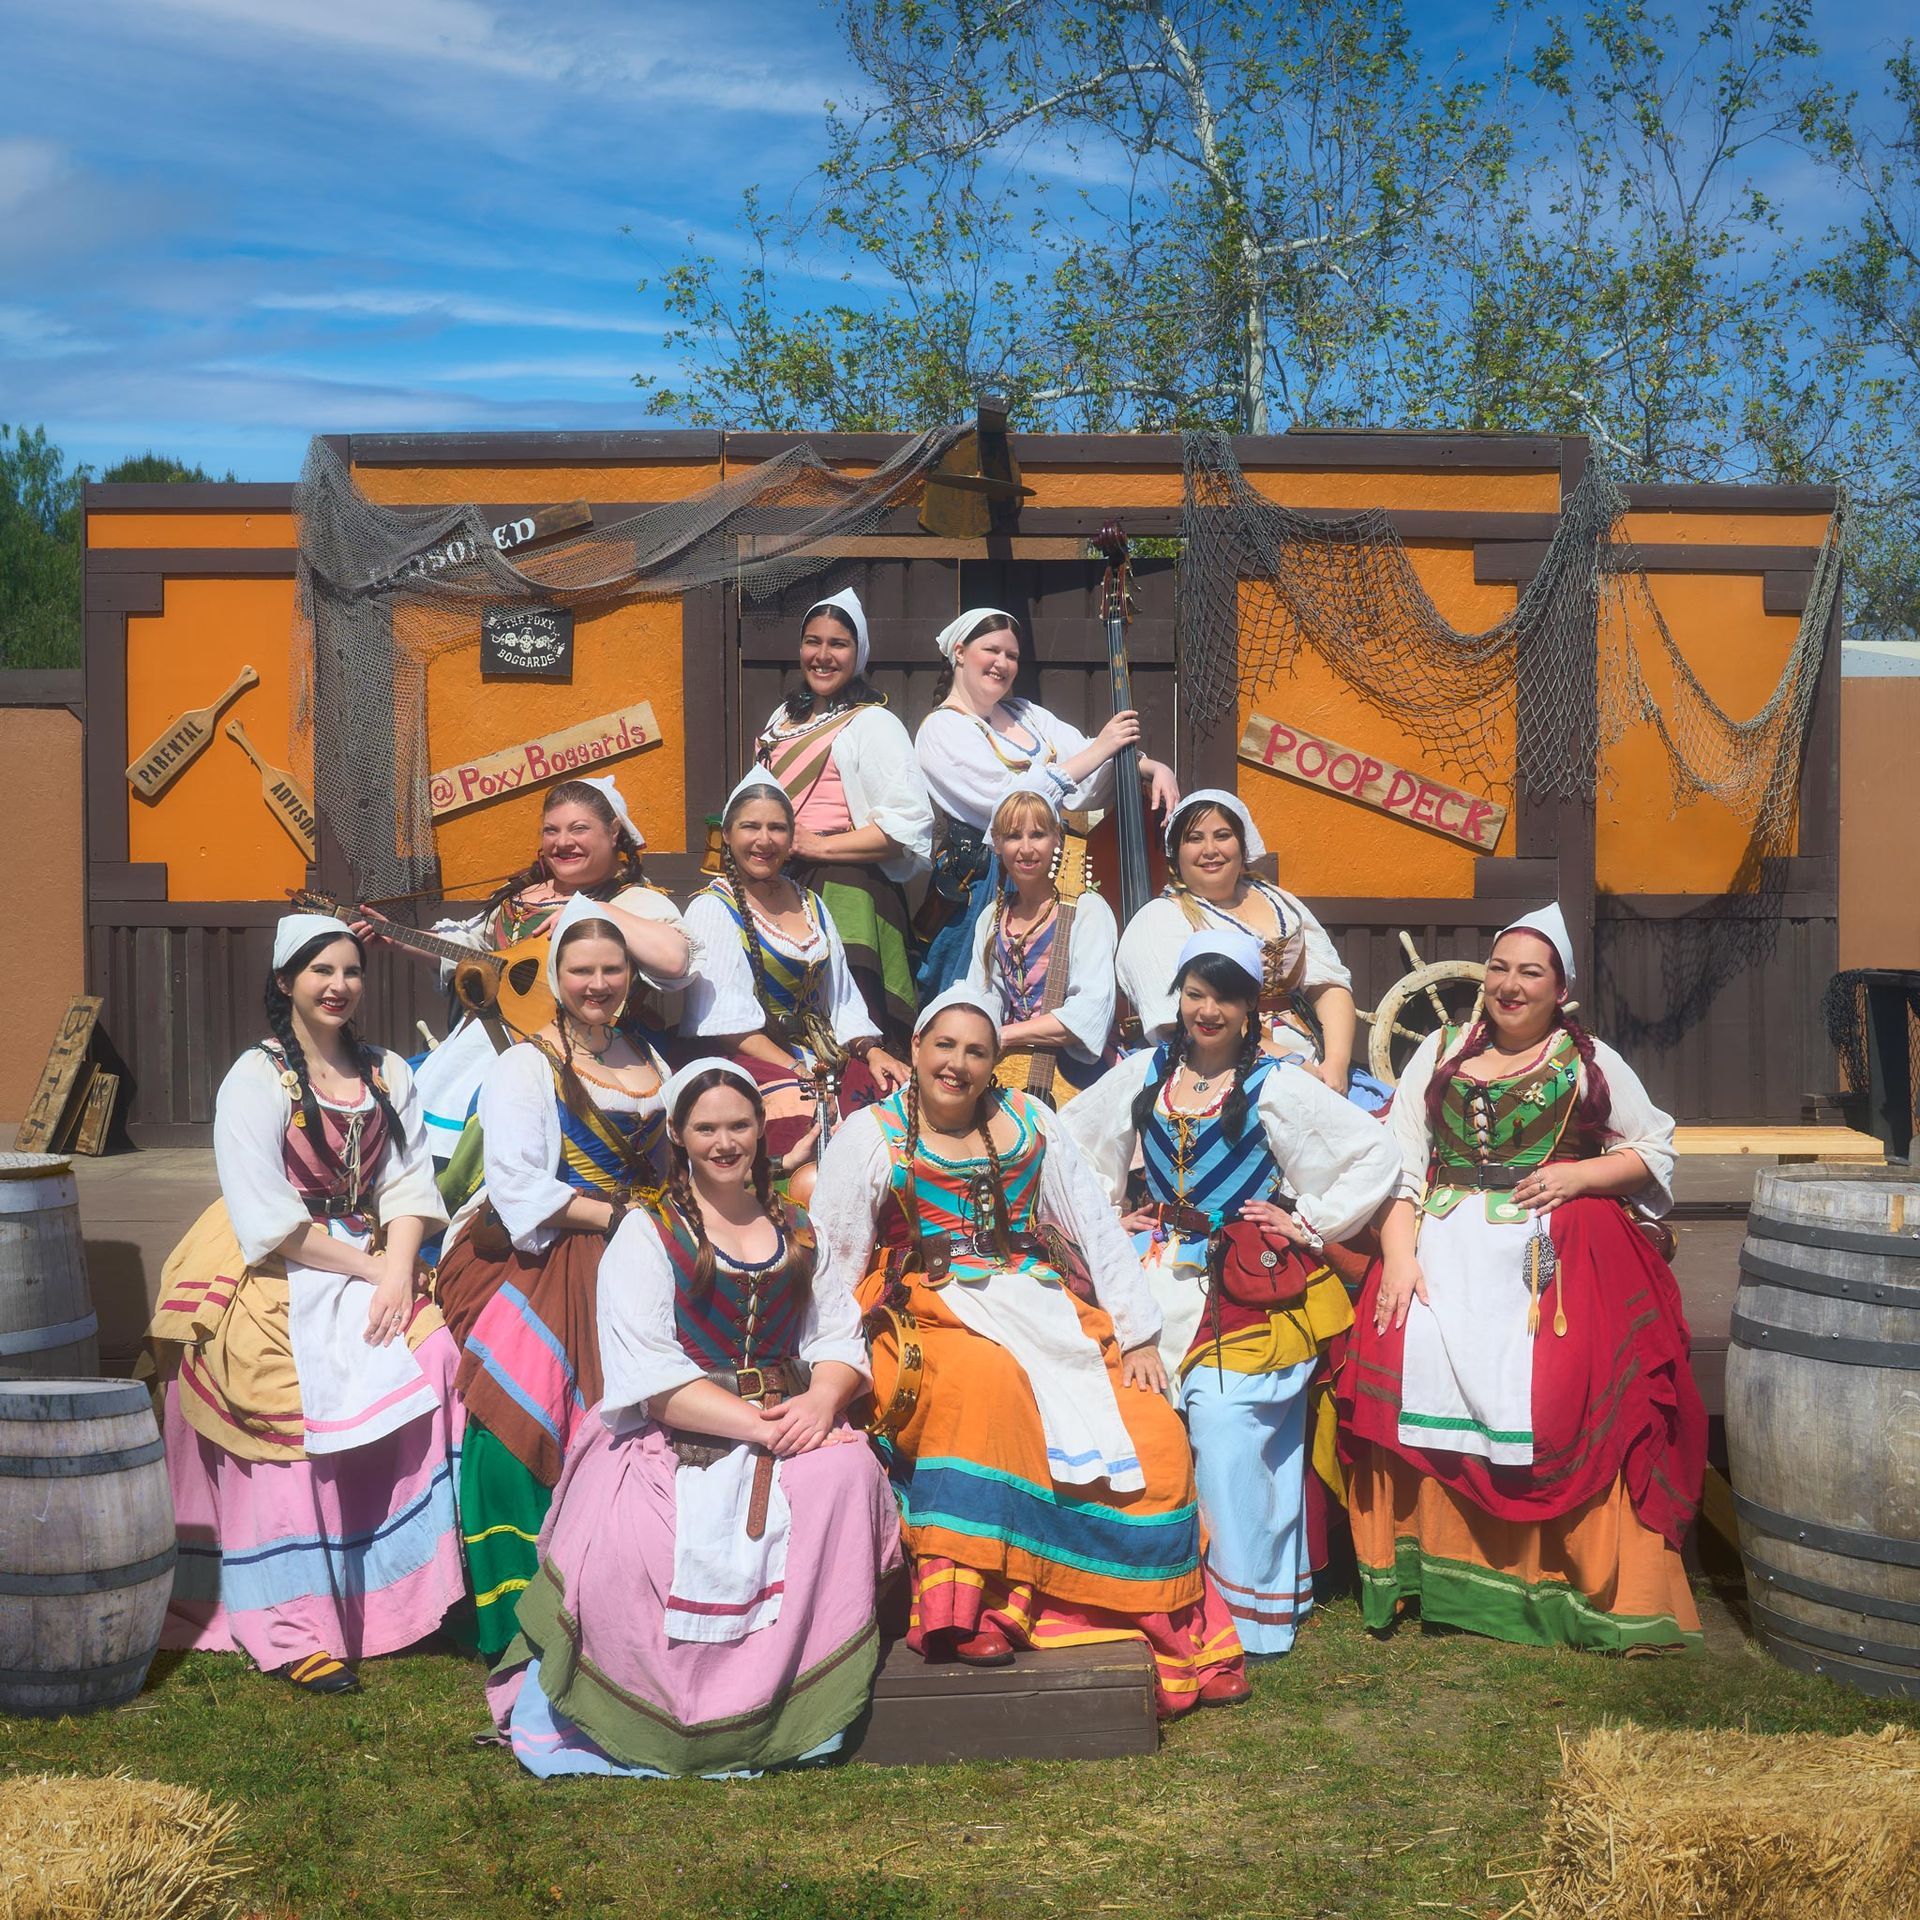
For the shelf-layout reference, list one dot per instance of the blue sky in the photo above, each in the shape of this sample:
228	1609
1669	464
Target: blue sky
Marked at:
228	224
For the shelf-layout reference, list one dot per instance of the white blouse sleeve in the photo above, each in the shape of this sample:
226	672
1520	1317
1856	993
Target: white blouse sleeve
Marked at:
1407	1118
963	777
640	1352
855	1172
1340	1163
720	997
1099	1121
1072	1198
979	966
521	1145
847	1013
830	1326
250	1115
1148	956
1087	1011
649	903
1324	966
1096	790
1638	1126
470	932
407	1189
885	788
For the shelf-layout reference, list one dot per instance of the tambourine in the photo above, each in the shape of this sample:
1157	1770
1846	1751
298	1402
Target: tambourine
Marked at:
894	1401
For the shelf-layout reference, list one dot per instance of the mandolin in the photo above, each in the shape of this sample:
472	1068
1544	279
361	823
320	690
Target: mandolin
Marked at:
512	980
1033	1069
1129	806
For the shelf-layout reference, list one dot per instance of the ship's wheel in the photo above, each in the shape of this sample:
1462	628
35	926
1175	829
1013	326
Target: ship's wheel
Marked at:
1443	993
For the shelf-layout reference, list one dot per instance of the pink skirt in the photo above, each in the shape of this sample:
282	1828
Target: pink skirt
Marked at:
593	1683
353	1554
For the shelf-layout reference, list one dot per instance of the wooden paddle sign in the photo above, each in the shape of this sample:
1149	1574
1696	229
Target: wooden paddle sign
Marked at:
183	741
290	802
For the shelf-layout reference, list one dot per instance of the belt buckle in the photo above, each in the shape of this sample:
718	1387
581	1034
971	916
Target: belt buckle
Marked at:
758	1390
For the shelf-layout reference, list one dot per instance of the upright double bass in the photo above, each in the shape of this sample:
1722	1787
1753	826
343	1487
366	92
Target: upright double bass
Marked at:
1135	875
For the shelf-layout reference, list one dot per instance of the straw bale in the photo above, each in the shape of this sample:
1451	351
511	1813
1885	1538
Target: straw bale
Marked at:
1732	1826
114	1849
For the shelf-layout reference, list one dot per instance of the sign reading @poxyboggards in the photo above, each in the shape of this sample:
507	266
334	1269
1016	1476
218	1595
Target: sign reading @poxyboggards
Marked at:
1372	781
538	763
527	643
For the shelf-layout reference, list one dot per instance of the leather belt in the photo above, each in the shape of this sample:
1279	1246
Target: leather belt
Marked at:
1188	1222
1487	1176
766	1385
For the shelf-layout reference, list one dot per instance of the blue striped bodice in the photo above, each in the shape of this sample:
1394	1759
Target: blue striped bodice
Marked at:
1220	1174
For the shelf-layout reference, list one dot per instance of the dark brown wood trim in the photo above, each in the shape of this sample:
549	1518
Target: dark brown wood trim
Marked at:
1575	830
1709	497
1791	903
243	563
112	884
710	698
1412	913
1532	880
1056	643
105	914
530	449
124	593
1820	761
1497	563
189	496
44	687
1785	592
104	747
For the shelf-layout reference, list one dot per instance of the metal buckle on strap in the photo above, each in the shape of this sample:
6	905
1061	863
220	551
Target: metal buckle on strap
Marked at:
751	1383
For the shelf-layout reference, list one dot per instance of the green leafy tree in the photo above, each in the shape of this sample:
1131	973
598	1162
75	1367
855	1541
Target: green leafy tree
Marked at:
39	551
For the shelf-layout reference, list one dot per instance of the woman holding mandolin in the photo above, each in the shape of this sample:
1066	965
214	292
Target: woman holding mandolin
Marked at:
588	845
1046	950
1247	1305
573	1126
775	991
975	744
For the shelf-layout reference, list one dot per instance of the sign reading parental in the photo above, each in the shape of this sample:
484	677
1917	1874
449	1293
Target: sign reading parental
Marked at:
1372	781
536	763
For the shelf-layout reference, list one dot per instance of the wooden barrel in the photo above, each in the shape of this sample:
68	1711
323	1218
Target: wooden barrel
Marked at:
47	1328
1823	1422
86	1544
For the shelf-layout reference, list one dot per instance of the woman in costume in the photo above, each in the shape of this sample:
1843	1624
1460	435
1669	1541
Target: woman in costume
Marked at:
588	846
1526	1442
863	825
308	1397
708	1572
1306	995
1059	1005
574	1133
1045	1484
774	989
1249	1169
978	740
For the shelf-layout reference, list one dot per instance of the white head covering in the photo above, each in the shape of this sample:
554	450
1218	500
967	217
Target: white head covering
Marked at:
1551	925
949	637
748	781
580	906
1231	943
961	995
296	929
848	602
678	1083
1041	785
1217	797
610	787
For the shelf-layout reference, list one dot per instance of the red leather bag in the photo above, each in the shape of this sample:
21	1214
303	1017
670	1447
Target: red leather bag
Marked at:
1254	1268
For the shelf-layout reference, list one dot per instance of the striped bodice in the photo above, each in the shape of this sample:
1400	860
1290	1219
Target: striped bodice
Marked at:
594	1158
752	1315
343	1162
1022	987
954	1196
793	976
1283	955
1191	1161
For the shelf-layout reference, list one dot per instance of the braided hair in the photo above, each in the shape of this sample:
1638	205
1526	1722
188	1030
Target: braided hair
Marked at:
993	623
279	1004
627	874
991	1099
730	871
585	930
1593	1116
1229	982
795	1270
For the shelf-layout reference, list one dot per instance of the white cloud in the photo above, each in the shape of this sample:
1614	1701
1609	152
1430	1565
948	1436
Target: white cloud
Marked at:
28	169
29	333
394	304
461	30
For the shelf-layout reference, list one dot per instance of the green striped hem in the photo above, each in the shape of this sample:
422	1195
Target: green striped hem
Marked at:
1098	1509
1544	1613
1450	1423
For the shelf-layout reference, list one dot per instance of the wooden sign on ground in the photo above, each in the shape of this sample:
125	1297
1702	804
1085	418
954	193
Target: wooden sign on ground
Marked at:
66	1062
1374	782
96	1113
554	756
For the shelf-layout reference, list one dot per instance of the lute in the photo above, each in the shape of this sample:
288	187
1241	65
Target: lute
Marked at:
1129	806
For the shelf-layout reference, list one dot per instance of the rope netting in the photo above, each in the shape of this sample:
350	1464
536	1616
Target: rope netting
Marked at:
384	591
1542	695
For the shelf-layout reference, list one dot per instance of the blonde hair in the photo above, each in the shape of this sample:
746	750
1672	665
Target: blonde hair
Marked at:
1021	810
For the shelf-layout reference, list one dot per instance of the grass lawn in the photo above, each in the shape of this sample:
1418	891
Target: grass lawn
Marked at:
1366	1778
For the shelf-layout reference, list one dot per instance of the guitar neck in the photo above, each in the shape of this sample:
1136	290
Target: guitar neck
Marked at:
436	944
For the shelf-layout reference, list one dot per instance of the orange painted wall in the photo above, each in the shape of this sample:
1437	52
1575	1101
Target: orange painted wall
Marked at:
1500	489
1879	844
211	827
541	482
42	860
190	530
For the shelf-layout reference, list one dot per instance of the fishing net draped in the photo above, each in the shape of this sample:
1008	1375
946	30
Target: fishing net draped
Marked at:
384	591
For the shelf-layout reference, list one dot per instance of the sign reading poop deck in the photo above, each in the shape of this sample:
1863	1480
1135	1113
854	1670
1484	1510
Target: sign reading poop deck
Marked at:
538	763
527	643
1373	782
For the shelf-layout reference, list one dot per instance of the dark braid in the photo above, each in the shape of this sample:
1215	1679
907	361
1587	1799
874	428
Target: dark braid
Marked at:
279	1008
374	1074
1233	1113
1594	1115
280	1024
858	692
1176	1045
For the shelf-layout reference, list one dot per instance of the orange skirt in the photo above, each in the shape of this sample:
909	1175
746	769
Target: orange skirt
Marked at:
1595	1577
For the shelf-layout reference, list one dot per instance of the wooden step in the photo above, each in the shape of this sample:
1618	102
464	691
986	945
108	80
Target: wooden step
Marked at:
1785	1146
1072	1703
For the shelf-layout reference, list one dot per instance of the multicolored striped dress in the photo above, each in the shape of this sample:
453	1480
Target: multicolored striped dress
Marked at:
312	1475
1037	1493
521	1297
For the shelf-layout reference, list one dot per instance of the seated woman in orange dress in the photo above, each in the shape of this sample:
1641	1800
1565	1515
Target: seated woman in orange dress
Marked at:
1045	1483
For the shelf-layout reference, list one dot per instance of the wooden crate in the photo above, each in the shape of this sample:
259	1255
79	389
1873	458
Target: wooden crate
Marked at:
1074	1703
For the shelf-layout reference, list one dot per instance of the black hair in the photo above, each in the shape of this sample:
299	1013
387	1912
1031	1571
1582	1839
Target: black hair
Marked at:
280	1025
1230	981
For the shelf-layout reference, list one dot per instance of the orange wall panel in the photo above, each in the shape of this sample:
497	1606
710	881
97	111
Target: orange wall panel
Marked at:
1727	529
149	530
622	656
1493	490
1879	847
1328	844
211	827
536	483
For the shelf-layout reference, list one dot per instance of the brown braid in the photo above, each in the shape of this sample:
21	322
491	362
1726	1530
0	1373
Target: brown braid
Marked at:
629	873
796	1269
991	1098
749	933
1233	1113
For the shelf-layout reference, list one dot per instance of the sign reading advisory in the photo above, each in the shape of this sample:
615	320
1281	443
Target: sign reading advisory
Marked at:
1372	781
539	763
527	643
